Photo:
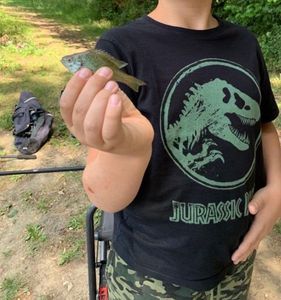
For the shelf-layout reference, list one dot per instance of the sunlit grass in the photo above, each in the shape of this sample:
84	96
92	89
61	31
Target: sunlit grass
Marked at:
6	120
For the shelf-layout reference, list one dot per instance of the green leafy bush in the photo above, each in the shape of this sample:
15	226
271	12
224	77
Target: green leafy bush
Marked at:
262	17
258	15
120	11
271	46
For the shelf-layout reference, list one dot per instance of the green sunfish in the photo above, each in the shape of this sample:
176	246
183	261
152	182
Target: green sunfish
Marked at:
94	59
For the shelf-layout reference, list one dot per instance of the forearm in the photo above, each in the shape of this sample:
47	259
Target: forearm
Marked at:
272	154
112	181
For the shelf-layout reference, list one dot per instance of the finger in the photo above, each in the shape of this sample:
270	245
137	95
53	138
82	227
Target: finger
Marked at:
244	258
93	86
94	118
128	106
257	203
250	242
113	120
71	93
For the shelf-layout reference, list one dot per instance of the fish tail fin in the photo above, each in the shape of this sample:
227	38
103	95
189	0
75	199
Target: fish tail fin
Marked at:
133	82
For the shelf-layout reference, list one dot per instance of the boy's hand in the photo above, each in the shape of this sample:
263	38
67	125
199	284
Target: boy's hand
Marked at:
266	206
101	116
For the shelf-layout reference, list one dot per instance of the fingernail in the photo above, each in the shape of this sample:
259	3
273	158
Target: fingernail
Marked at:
234	258
104	71
111	86
114	100
84	73
253	209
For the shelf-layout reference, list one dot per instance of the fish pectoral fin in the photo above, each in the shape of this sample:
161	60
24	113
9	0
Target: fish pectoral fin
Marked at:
118	63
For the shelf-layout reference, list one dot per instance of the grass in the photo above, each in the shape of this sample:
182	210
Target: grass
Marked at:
7	66
77	221
43	205
10	287
12	29
6	122
75	251
68	13
35	236
26	196
75	245
16	39
16	178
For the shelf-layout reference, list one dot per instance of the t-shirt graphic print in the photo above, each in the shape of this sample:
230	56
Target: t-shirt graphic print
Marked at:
210	122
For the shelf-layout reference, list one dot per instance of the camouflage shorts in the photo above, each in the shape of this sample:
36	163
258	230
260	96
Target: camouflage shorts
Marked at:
126	284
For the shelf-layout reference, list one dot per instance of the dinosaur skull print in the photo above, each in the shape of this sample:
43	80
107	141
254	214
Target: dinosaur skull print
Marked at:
217	121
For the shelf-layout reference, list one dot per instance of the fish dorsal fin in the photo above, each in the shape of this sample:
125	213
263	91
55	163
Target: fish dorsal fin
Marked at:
118	63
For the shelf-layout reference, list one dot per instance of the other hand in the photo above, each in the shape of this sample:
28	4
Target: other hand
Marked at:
266	206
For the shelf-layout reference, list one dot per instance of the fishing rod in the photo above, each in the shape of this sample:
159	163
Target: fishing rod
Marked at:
43	170
18	156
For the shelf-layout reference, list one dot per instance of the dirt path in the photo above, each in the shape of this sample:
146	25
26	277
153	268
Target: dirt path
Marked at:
51	201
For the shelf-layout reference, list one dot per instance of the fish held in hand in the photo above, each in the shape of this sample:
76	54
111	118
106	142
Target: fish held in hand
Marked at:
94	59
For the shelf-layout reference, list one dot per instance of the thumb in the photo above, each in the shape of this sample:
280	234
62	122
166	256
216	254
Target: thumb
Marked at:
257	203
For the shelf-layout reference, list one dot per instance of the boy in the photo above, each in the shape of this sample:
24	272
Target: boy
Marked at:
180	161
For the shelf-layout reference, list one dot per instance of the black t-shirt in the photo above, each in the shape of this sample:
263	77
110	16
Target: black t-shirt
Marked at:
206	96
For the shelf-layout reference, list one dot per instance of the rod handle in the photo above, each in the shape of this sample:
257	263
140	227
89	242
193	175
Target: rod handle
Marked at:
26	156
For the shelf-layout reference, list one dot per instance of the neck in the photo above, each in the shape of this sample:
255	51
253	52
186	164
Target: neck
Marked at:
191	14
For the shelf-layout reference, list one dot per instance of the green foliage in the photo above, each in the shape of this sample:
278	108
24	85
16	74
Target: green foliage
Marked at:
258	15
10	287
73	252
121	11
35	233
262	17
77	221
35	236
271	46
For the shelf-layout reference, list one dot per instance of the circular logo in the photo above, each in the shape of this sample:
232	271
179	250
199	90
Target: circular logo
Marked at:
210	122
